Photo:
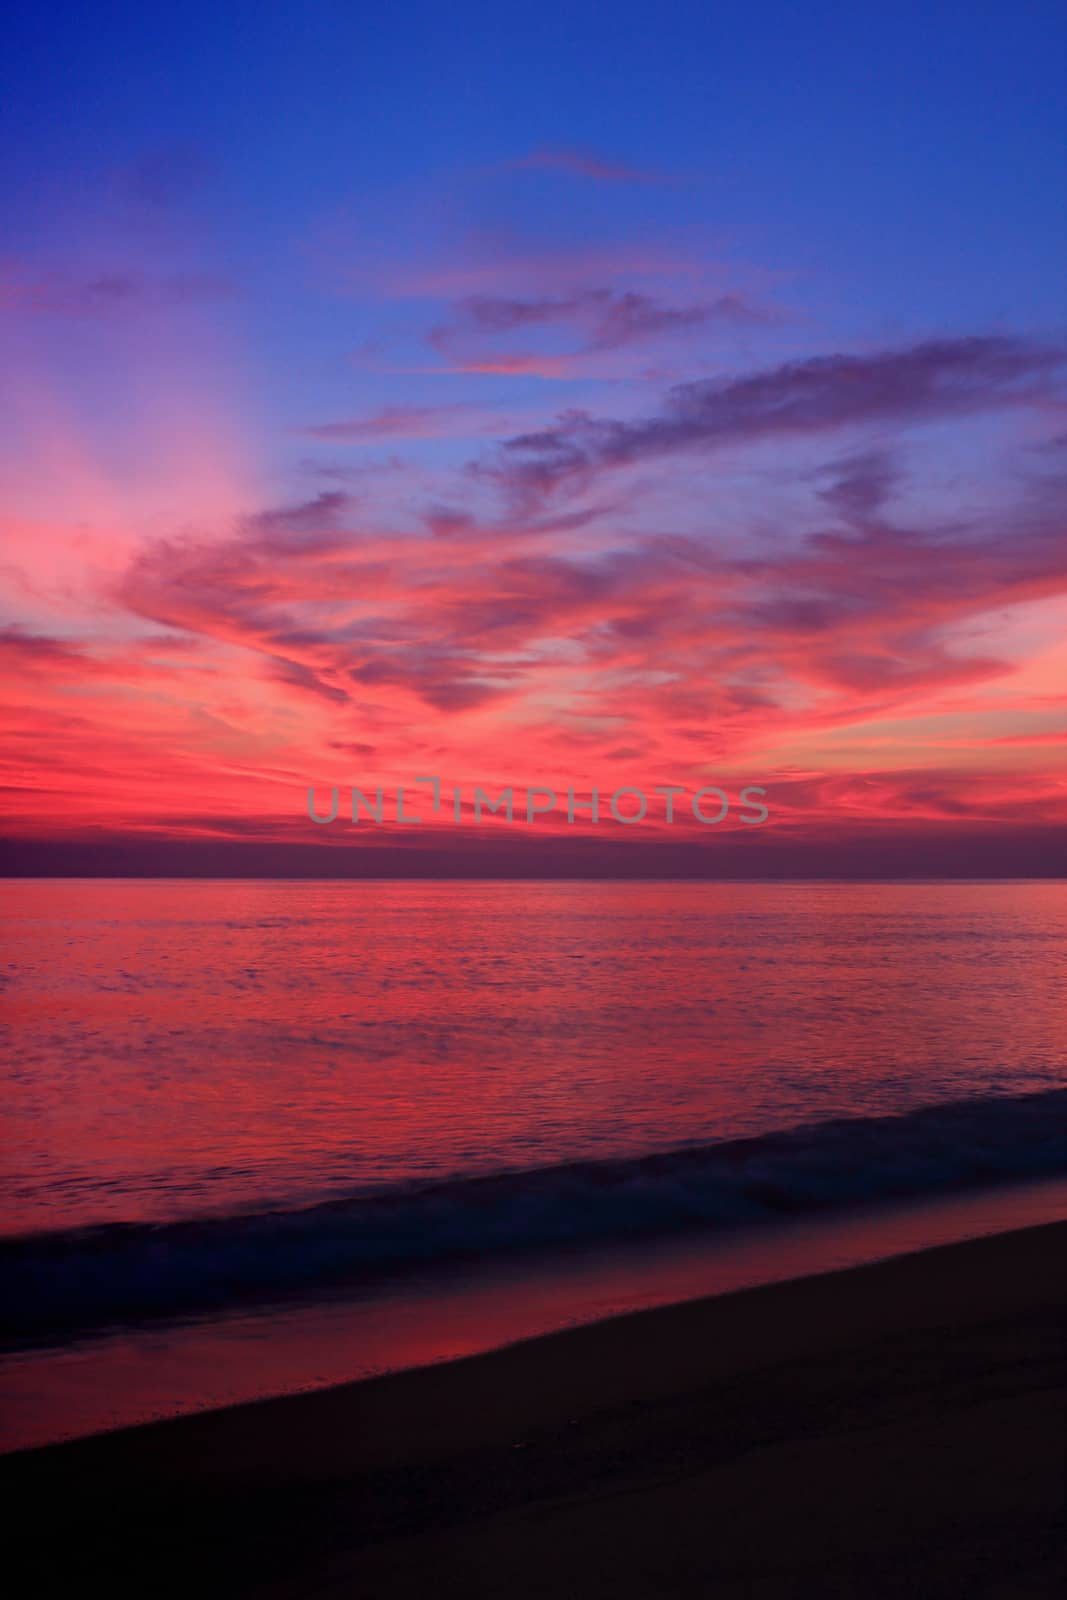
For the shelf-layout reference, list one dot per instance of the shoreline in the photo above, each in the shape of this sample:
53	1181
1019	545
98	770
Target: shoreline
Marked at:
888	1424
152	1371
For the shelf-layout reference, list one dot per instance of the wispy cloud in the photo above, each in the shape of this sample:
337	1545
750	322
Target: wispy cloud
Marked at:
813	620
595	321
938	379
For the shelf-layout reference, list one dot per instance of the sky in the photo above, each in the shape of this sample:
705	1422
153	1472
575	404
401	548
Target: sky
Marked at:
534	396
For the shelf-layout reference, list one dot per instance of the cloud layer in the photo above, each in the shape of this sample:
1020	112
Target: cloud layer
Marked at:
841	574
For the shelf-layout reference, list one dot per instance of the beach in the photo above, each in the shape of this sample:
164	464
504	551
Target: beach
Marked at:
897	1428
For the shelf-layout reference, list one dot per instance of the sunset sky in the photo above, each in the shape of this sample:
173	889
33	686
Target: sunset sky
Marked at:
556	395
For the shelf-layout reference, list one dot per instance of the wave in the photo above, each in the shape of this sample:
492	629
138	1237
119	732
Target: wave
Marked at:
71	1282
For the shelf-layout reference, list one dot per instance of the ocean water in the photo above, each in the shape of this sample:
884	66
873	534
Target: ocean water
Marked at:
233	1099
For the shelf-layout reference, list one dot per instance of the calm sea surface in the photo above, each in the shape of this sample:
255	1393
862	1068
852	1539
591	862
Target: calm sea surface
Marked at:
261	1136
182	1049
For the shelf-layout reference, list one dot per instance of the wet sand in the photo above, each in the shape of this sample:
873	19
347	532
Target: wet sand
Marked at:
894	1429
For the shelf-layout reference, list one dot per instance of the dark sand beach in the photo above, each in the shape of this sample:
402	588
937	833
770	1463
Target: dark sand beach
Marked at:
893	1429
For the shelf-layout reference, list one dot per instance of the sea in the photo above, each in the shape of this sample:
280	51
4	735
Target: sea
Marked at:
260	1136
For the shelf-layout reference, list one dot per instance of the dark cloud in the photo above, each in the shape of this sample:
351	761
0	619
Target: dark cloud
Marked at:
603	319
299	676
445	521
663	631
860	487
937	379
312	524
349	748
626	318
931	849
444	679
21	651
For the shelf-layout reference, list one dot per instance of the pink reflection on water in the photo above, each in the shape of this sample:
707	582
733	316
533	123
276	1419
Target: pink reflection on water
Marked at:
174	1048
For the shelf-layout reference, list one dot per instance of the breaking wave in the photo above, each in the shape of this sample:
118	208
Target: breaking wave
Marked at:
77	1281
